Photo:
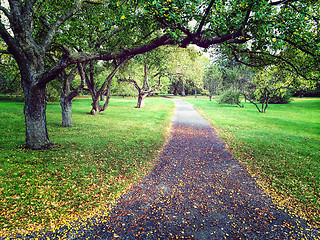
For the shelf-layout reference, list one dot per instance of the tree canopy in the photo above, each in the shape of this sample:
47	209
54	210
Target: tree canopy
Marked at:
257	33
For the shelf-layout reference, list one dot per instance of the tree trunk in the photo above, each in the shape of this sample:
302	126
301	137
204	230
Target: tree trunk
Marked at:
141	100
35	118
67	95
183	90
66	107
95	107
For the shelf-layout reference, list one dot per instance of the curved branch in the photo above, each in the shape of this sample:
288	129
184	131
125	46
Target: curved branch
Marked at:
54	28
280	2
13	46
6	13
224	38
129	80
296	45
279	58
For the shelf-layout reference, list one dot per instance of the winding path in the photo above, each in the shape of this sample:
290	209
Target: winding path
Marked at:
197	190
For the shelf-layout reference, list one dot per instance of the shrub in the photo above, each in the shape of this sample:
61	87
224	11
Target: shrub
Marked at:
230	96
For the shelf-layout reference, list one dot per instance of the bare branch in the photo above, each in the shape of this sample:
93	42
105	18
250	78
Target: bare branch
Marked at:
203	20
280	2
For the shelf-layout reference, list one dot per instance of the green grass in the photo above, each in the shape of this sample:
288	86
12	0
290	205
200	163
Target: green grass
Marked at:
281	146
95	162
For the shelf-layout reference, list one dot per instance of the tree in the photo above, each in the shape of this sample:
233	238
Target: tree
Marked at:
212	79
68	93
267	85
246	28
230	96
97	93
147	72
29	29
187	69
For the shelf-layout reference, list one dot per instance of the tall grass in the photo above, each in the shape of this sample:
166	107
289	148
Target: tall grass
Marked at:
93	163
281	146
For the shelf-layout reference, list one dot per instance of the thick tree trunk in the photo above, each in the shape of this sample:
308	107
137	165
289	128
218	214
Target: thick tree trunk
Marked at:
96	107
141	100
35	119
66	107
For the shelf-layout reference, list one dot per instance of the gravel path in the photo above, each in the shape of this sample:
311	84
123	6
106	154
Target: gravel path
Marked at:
197	190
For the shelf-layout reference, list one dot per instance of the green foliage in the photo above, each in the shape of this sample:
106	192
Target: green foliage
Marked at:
212	79
95	162
280	147
123	89
53	91
187	68
279	97
230	96
9	76
271	85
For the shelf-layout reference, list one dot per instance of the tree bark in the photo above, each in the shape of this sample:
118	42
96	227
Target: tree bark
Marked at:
183	90
35	119
66	110
105	89
143	93
141	100
95	107
67	95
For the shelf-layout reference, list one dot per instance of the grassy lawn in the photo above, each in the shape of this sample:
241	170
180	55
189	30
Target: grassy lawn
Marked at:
95	161
281	147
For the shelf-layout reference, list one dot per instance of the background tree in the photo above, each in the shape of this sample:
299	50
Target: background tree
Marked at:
212	80
187	70
105	89
69	92
9	76
230	96
305	88
147	72
123	89
269	86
